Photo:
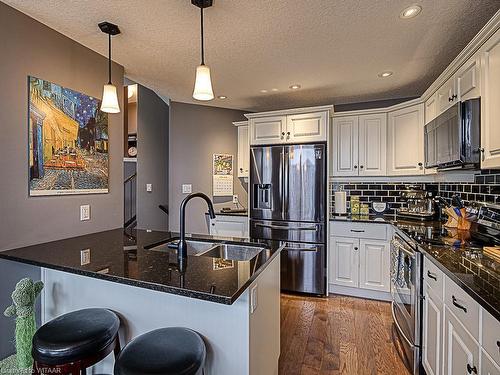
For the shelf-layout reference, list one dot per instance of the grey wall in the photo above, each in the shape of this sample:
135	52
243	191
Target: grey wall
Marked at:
27	48
196	133
152	159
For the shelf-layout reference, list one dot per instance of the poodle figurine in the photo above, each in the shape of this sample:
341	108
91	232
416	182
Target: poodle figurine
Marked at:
23	308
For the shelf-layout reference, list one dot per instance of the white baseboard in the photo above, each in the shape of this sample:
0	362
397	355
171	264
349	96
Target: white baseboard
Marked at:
361	293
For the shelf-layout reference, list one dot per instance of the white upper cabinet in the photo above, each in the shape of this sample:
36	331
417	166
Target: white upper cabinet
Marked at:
307	127
431	108
345	146
446	96
289	126
406	141
267	130
490	103
468	79
243	148
372	145
359	145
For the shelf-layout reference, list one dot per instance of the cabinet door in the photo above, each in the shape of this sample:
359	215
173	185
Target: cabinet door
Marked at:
446	96
243	151
461	351
431	108
432	336
490	99
307	127
372	145
345	146
406	141
374	265
267	130
468	79
488	367
344	261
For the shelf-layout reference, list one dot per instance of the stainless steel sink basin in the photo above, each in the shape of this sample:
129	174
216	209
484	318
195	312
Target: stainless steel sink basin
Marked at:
232	252
193	247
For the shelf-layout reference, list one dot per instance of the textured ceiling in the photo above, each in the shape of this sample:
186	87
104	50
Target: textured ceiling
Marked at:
333	48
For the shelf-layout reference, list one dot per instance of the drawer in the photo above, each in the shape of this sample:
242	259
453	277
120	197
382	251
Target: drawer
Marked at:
462	306
434	277
359	230
491	336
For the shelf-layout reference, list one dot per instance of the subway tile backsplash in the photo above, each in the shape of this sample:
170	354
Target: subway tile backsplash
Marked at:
485	188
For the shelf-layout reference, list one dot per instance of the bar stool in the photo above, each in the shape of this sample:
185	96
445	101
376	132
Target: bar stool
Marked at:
168	351
75	341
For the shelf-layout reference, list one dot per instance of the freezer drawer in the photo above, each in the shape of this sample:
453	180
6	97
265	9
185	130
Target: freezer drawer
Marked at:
288	231
303	268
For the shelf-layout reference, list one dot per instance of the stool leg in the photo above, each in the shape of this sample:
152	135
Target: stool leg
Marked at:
117	348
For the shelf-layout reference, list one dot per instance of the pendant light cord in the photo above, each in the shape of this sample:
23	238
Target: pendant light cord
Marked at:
202	46
109	59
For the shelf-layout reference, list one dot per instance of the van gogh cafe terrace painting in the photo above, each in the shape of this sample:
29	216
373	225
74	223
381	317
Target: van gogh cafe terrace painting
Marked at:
68	141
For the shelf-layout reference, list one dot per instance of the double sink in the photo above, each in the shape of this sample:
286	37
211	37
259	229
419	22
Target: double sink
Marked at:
211	249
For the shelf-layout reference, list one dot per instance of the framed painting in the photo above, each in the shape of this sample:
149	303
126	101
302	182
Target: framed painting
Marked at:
68	141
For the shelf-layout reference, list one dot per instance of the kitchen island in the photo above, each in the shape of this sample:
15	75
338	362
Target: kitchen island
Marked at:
233	303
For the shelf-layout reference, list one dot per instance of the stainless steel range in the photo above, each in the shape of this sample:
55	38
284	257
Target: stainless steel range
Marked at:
288	203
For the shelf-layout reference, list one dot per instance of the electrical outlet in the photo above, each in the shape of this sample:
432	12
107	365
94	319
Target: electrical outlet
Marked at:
253	299
85	212
149	188
85	257
235	198
187	188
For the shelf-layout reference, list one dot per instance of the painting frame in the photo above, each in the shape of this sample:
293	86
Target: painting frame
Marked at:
68	141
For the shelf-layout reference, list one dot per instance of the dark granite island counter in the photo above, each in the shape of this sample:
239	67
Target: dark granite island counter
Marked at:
234	304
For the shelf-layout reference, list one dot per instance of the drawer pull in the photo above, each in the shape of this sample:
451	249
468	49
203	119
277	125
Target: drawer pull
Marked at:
357	231
498	343
454	300
431	275
471	369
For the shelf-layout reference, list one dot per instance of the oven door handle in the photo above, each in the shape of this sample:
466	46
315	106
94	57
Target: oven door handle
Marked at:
285	228
398	327
399	246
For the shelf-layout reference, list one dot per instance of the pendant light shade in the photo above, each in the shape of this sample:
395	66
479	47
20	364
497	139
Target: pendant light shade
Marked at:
109	102
203	82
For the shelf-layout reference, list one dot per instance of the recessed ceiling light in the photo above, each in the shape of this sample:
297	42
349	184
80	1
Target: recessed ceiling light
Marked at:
274	90
295	87
410	12
263	91
222	97
385	74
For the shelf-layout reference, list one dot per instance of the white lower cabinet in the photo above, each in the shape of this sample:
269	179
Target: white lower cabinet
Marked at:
432	333
374	270
488	366
229	226
461	351
344	268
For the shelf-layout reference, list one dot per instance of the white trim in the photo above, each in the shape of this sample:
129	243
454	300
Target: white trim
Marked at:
361	293
240	123
394	107
448	176
291	111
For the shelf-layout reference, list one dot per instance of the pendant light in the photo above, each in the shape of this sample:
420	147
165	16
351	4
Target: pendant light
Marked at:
109	102
203	83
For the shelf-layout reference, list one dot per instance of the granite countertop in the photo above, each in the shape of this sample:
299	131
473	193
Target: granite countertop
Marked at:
123	257
460	258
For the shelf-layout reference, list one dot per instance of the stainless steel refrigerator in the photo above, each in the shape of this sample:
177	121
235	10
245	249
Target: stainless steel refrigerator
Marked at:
288	203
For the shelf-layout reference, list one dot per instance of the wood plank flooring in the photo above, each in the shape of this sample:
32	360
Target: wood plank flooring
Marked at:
337	335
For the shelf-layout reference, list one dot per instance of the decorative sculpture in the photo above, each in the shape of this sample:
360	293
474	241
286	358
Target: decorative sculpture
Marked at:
23	302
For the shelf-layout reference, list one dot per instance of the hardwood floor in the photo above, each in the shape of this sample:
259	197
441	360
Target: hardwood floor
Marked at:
337	335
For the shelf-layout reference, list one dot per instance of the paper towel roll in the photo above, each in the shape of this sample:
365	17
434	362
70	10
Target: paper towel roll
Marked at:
340	202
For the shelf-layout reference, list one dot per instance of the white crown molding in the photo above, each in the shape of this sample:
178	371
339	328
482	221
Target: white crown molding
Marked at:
481	37
240	123
292	111
372	111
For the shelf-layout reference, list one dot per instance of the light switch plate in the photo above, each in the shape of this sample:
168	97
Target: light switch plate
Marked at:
149	188
187	188
85	212
235	198
85	257
253	299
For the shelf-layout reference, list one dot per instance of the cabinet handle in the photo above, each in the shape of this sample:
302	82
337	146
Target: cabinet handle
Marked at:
241	169
420	164
471	370
357	231
355	248
355	167
454	96
431	275
361	166
454	300
282	135
450	99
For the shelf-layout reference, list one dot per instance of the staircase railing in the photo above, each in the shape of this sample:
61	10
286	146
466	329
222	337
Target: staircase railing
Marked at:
130	193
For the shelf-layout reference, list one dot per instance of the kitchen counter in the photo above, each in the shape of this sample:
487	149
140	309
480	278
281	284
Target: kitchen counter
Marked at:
123	257
460	257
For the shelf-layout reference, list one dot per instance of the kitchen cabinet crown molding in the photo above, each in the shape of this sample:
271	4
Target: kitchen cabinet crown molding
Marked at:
240	123
381	110
491	27
292	111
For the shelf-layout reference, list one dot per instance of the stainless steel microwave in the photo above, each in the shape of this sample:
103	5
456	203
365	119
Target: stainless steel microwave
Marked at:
452	140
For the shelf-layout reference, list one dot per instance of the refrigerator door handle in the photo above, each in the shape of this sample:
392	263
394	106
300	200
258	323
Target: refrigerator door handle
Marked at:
313	249
315	227
286	186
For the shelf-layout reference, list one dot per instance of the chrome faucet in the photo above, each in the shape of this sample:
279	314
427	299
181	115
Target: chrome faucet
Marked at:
182	246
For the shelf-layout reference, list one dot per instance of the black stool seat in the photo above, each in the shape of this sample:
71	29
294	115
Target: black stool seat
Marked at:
167	351
75	336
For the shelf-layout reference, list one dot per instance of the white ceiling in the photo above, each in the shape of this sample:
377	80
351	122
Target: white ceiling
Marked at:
333	48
